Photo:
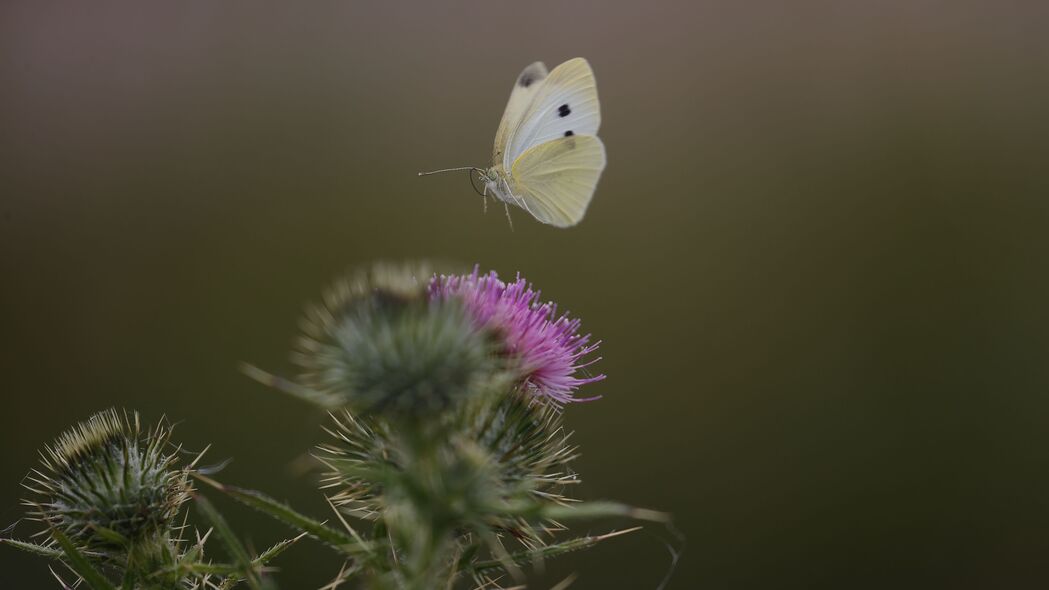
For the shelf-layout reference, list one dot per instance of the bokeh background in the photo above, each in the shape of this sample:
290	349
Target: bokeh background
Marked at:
817	257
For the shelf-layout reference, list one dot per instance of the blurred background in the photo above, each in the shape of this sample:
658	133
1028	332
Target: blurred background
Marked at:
817	258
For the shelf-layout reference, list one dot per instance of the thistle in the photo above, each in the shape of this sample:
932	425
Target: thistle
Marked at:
107	485
447	441
547	349
480	480
517	450
378	343
472	485
109	494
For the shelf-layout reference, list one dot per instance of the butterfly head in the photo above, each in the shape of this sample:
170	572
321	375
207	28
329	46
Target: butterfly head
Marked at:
496	184
493	181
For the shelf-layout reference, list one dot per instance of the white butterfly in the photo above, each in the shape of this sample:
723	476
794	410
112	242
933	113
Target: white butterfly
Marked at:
547	157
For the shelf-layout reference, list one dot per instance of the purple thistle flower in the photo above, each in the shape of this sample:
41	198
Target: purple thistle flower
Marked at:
547	347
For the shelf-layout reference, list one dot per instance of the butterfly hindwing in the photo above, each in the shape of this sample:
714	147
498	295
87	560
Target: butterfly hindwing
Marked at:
563	105
556	179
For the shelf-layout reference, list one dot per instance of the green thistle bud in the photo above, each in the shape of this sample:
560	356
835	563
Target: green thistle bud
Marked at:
528	442
499	451
379	344
107	485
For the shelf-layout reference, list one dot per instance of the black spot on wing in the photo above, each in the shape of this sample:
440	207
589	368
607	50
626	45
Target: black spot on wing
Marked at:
569	133
531	75
563	111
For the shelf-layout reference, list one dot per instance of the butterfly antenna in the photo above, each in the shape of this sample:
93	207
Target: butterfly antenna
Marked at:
471	168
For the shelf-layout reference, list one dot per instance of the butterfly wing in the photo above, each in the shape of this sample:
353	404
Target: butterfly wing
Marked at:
555	180
525	88
564	104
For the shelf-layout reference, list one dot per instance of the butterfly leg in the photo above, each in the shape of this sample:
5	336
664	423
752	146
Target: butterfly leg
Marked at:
506	186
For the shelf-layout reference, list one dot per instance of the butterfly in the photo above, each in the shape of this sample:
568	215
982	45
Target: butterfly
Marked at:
547	157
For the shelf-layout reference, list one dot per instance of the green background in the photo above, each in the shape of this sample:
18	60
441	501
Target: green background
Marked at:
817	258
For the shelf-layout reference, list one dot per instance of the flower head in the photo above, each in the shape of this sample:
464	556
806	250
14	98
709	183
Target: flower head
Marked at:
547	348
493	451
380	344
105	484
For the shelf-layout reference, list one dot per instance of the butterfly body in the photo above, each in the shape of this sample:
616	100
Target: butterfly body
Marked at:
547	158
497	183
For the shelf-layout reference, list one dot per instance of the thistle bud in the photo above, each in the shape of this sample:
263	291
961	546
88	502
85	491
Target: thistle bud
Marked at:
107	484
379	344
499	450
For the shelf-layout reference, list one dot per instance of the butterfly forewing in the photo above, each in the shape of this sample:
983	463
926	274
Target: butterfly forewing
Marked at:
565	104
525	88
556	179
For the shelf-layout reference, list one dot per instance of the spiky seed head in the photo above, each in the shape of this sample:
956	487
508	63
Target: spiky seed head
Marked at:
106	483
379	344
